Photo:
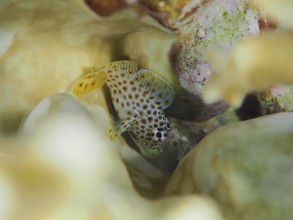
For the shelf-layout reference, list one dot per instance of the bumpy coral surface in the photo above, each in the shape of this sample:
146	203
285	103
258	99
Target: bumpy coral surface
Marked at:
251	66
64	167
215	24
246	166
256	64
106	8
275	99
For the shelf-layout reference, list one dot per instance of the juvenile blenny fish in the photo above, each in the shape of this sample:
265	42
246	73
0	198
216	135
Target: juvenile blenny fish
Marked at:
139	98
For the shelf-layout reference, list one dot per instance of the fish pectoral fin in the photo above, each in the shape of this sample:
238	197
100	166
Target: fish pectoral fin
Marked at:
88	83
158	88
119	126
112	134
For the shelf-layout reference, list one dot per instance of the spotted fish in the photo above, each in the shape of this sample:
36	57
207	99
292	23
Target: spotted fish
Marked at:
139	98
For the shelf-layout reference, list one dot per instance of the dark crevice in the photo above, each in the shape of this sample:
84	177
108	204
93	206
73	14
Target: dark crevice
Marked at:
250	108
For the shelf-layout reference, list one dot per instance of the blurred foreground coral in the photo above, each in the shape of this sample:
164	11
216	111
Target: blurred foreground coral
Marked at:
255	64
55	171
245	166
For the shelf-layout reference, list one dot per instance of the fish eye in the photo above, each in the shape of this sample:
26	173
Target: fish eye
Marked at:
158	134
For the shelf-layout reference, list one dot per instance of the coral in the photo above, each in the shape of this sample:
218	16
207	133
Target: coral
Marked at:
211	24
251	66
243	165
276	99
66	168
186	136
173	14
106	8
43	53
216	24
56	161
47	53
279	10
75	38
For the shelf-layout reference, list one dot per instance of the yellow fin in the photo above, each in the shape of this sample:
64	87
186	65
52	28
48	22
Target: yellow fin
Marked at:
88	83
112	134
119	126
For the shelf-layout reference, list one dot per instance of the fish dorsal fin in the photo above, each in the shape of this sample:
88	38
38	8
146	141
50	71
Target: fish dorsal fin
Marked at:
118	127
126	68
92	68
88	83
160	92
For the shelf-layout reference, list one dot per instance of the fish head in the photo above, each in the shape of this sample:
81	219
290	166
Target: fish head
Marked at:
159	133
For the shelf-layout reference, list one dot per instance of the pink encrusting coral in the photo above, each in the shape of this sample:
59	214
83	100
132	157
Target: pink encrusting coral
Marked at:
196	79
279	90
219	23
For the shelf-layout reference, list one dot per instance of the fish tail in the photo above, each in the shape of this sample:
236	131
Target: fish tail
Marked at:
89	82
